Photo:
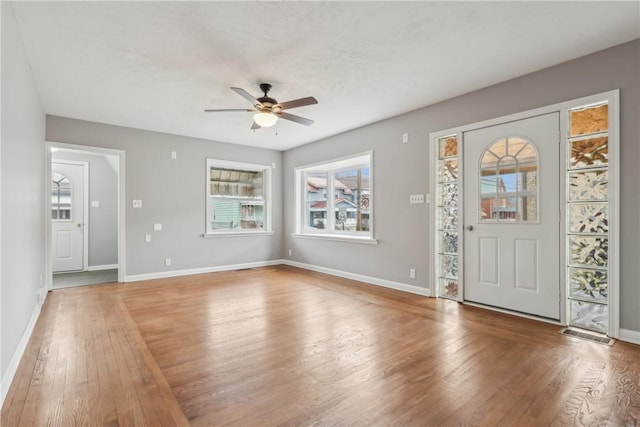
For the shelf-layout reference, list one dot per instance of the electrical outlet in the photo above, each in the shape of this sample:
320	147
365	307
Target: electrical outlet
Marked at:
167	262
416	199
405	138
174	155
290	252
147	238
412	273
137	203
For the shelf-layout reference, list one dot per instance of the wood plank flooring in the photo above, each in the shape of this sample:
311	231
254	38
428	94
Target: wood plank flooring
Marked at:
283	346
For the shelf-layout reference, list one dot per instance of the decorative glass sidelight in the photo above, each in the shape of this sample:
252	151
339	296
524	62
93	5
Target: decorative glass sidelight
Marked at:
447	197
588	217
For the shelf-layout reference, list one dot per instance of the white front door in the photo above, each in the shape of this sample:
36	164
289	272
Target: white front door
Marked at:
67	216
512	216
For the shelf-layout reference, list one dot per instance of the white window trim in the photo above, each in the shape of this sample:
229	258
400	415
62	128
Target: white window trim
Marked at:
267	186
333	166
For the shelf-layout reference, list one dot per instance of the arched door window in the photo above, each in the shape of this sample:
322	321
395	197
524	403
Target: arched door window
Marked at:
509	181
60	197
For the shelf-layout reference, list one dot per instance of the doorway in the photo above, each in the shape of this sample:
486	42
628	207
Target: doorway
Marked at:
84	238
511	205
493	179
68	215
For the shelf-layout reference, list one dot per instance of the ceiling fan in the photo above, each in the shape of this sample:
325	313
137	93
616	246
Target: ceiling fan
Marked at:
268	110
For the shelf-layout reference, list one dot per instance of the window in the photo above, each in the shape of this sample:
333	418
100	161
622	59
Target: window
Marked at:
336	198
509	181
588	204
60	197
237	197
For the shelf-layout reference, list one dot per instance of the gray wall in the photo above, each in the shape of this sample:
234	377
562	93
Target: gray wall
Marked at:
173	194
103	221
22	170
402	169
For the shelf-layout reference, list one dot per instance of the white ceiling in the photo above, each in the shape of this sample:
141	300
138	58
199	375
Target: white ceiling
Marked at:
156	65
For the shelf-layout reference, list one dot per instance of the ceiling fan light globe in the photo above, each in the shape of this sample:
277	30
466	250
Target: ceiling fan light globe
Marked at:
265	119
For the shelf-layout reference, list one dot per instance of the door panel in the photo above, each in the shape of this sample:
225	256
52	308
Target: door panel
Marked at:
511	201
67	223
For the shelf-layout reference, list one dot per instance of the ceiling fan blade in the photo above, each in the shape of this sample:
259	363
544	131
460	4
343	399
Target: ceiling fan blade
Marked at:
310	100
297	119
255	126
227	109
243	93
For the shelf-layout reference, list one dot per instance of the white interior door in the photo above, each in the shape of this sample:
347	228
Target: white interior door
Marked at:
67	216
512	216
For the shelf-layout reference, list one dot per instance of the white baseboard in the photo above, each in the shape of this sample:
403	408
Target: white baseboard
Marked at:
362	278
176	273
102	267
7	379
629	336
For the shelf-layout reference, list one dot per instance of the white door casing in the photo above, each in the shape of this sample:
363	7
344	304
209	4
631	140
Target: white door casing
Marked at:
509	264
68	229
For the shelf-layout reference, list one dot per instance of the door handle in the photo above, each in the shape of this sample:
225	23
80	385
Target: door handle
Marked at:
469	227
80	225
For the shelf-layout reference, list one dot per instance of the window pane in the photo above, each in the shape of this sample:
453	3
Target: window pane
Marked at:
235	214
236	183
448	218
586	186
488	182
589	251
589	152
528	208
528	179
448	194
316	201
449	266
589	120
351	199
449	242
60	197
589	316
589	284
448	147
487	206
508	179
588	218
448	288
448	170
489	161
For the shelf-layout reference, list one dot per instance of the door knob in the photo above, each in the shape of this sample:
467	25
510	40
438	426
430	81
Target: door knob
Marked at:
469	227
80	225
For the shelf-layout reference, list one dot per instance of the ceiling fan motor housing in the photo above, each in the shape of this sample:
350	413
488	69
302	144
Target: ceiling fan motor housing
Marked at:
266	100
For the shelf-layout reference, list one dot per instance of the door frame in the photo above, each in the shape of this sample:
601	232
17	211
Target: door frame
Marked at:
613	98
120	154
85	202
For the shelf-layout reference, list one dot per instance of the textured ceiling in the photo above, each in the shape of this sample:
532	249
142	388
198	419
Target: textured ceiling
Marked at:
157	65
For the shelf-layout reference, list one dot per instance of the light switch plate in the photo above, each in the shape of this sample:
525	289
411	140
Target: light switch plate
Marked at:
95	203
137	203
416	199
157	227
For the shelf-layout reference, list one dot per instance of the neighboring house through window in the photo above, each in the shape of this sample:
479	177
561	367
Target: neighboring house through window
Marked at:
335	198
238	197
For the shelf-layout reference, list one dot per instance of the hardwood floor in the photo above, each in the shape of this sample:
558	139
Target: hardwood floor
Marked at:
283	346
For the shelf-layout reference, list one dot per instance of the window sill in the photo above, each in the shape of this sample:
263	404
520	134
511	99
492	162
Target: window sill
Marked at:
237	234
338	238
